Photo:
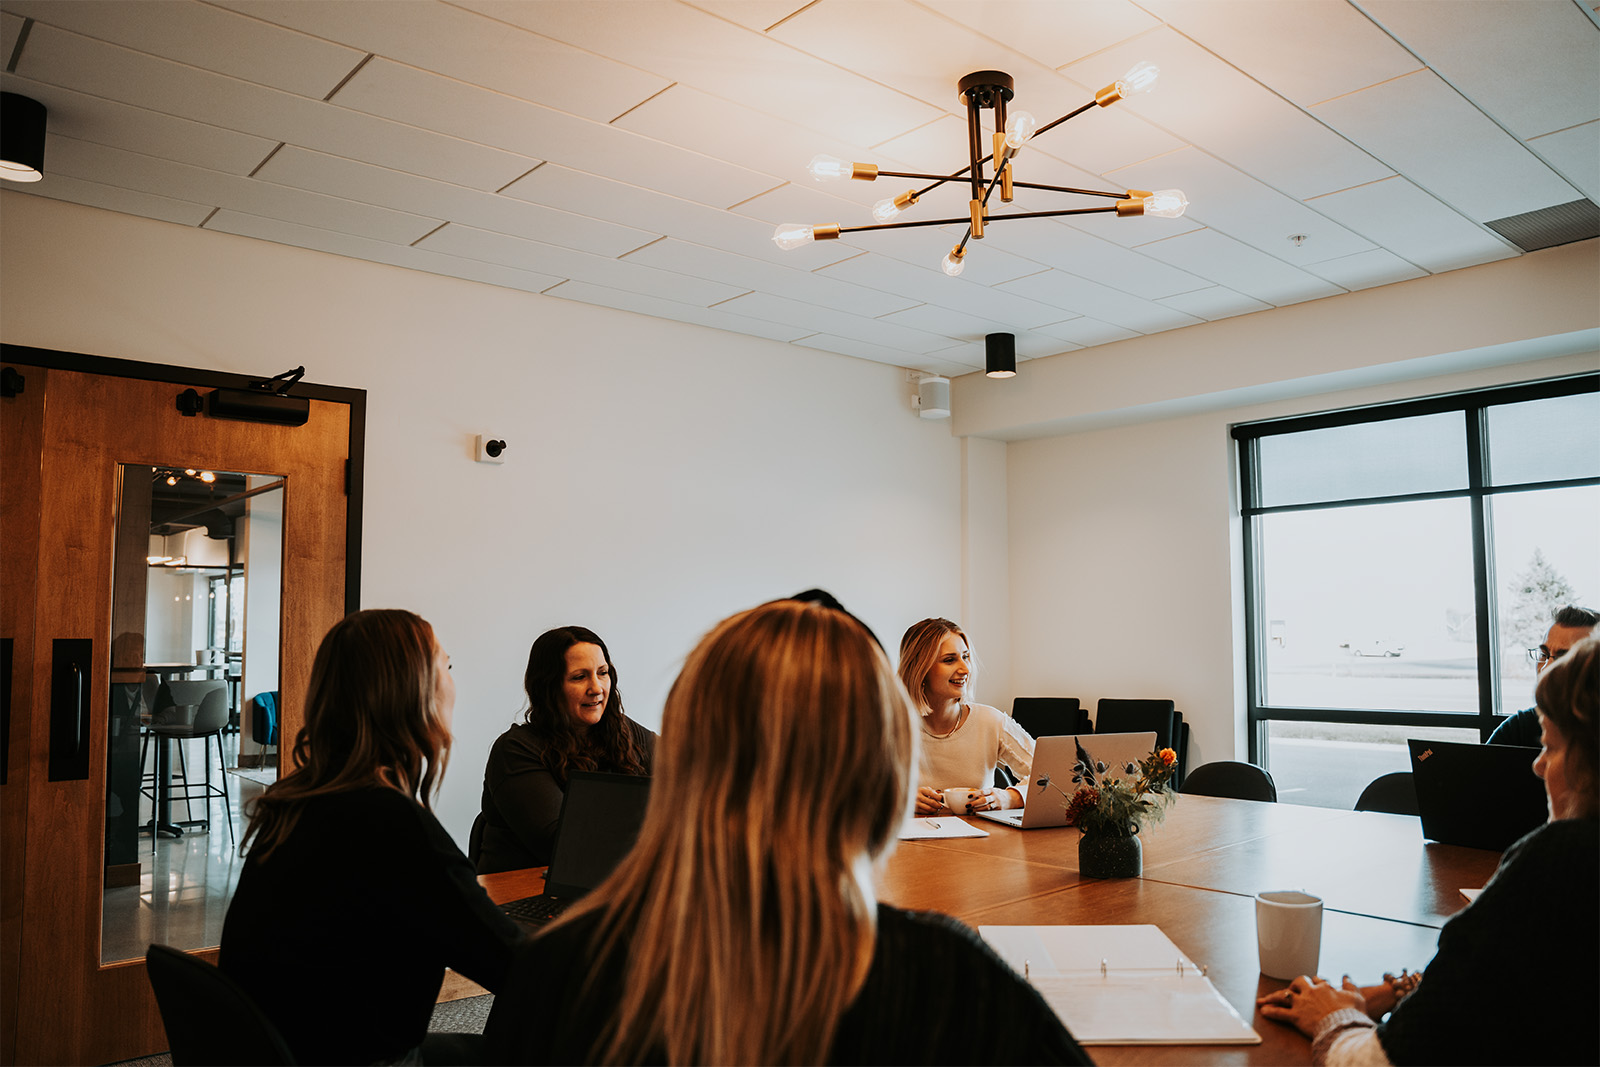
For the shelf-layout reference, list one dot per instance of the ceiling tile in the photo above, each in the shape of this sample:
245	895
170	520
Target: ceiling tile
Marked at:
1424	129
1367	269
941	320
91	162
457	240
55	57
343	244
1028	346
1212	105
10	30
723	59
931	286
346	178
135	129
1533	65
1076	252
1063	290
1050	31
757	15
440	104
1217	302
1240	267
1264	39
58	186
1087	331
189	33
1414	225
628	205
469	47
873	331
1575	154
671	309
742	271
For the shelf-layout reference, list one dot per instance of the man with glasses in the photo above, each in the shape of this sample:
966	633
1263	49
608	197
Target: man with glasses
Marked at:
1571	624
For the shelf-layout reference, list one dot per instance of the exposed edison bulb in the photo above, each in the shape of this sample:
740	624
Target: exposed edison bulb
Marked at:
1020	127
191	472
954	262
1141	78
172	479
1166	204
826	168
791	235
885	210
207	476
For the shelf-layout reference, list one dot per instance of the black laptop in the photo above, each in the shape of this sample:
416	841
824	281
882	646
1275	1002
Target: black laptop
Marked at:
1480	796
599	822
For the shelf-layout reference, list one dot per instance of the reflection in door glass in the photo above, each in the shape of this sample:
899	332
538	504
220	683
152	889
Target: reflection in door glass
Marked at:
197	591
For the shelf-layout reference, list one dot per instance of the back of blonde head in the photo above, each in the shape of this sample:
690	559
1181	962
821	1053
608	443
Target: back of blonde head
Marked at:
741	918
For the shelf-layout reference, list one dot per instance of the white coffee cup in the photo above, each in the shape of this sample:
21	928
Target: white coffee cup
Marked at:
959	800
1288	932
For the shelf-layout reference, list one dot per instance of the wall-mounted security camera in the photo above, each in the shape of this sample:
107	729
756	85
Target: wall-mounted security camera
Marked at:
491	449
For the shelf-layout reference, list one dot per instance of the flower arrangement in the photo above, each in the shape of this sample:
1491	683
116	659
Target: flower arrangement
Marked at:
1118	803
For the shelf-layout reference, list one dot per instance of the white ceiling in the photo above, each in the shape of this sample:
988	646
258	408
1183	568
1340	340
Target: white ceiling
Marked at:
638	153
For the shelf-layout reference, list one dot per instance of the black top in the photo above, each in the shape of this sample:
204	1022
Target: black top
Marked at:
1515	979
936	993
1521	728
343	934
522	798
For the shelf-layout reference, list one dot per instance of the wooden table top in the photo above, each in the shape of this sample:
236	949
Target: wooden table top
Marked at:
1385	891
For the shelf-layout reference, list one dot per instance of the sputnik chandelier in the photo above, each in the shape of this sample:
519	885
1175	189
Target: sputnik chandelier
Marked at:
988	90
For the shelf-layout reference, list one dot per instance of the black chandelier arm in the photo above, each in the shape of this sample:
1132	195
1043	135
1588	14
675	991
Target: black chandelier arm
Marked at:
991	218
1047	127
1118	195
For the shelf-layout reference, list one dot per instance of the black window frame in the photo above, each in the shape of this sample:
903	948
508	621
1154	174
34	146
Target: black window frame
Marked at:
1473	407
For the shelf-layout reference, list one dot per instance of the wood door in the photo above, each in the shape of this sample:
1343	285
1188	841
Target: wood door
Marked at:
65	436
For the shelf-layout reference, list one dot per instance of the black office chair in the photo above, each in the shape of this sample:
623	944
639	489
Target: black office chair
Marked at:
475	840
1395	793
1050	716
208	1017
1230	778
187	710
1116	716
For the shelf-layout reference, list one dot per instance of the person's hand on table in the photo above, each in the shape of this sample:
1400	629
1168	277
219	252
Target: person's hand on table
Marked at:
929	801
1307	1001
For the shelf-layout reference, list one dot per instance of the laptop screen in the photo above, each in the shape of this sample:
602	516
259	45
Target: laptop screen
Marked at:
600	819
1480	796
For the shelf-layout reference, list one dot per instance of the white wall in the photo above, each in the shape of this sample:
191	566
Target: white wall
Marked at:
659	475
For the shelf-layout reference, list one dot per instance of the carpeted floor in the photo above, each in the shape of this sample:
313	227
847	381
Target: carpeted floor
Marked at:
465	1016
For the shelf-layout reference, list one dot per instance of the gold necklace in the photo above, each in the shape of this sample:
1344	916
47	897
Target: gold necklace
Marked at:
961	718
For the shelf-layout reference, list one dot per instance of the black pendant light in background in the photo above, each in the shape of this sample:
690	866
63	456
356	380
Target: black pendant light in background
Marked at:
22	121
1001	355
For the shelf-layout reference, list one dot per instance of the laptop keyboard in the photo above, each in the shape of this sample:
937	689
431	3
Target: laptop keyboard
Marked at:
535	911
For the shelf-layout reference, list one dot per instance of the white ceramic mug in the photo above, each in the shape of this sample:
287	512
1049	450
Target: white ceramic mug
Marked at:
1288	932
959	800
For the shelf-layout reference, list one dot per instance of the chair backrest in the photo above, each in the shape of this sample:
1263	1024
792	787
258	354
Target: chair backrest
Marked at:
213	713
1230	778
151	687
209	1018
1050	716
1118	716
475	840
1395	793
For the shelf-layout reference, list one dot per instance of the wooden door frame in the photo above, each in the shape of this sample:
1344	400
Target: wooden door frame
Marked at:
120	996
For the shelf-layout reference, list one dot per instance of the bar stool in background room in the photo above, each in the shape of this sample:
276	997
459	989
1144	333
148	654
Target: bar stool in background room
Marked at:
187	710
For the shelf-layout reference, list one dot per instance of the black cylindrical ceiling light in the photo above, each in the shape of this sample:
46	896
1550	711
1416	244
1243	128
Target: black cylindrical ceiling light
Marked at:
1001	355
22	122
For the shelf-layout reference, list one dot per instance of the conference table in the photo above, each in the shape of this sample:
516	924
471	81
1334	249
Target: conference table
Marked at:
1386	893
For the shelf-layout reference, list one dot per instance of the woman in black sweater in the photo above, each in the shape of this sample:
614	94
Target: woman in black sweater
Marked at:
574	722
354	899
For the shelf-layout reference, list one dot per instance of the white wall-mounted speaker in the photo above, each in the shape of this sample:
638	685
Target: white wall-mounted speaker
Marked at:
933	397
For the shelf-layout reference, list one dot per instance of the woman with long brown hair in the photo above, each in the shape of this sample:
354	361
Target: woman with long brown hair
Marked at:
354	899
574	722
743	926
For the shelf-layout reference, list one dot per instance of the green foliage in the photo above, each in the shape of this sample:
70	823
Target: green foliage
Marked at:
1119	801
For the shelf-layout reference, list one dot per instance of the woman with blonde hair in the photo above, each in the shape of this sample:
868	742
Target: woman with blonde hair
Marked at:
354	899
743	927
962	741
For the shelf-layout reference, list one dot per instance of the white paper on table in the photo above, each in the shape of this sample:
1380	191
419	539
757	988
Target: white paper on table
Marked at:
1471	894
1149	993
915	829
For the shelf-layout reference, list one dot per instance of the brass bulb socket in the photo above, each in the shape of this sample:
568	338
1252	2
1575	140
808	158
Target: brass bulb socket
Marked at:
1130	208
906	199
866	172
975	207
829	232
1108	96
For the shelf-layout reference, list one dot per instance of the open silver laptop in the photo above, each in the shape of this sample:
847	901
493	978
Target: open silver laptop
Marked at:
1053	756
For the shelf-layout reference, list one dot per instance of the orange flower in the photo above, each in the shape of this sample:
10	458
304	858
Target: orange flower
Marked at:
1168	757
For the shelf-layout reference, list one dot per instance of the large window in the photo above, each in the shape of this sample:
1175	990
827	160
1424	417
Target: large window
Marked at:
1399	562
